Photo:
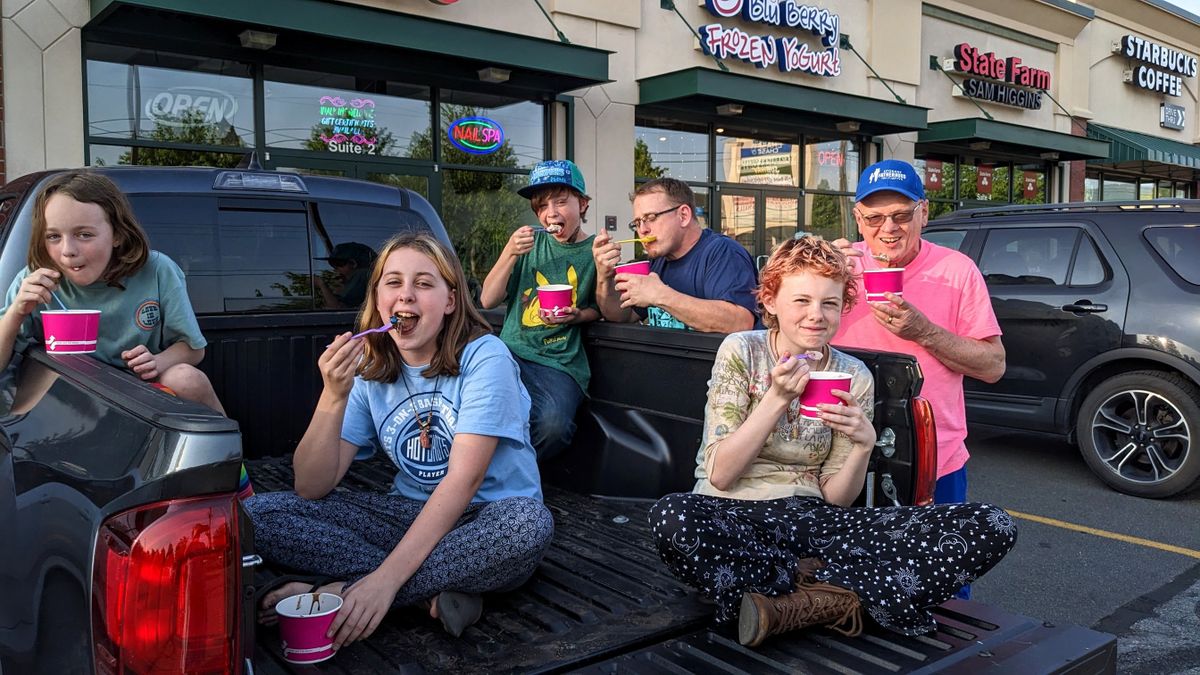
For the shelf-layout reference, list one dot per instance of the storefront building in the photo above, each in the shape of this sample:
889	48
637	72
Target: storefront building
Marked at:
1142	98
767	108
996	81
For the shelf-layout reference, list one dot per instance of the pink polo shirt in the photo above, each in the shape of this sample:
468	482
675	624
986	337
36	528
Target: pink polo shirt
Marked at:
948	289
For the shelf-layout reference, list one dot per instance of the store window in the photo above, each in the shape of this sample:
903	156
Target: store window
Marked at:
832	166
1110	185
168	100
758	161
1118	189
1029	186
519	123
940	176
345	116
674	151
480	211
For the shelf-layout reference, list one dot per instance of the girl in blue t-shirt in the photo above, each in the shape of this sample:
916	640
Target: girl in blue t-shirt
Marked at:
443	399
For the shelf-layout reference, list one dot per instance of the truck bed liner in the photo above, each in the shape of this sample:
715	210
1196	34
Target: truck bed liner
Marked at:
602	602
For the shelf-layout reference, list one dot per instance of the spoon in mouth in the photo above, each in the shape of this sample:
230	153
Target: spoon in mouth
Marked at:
382	329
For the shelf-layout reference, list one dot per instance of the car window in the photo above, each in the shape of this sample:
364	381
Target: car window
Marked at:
1029	256
1089	268
234	259
1179	247
346	239
949	238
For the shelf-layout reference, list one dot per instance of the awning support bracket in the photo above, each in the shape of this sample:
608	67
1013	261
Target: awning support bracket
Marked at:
561	38
934	64
844	43
670	5
1074	119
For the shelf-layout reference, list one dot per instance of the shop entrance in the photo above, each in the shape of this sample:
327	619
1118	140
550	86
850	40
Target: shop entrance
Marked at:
758	218
416	178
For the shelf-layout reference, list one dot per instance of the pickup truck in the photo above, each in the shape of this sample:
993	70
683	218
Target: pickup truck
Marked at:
127	552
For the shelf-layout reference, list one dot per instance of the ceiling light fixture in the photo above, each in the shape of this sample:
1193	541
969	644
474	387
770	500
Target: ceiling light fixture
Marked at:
494	75
848	126
730	109
980	145
257	39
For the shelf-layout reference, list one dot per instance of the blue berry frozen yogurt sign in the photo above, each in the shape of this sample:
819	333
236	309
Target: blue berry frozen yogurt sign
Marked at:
787	52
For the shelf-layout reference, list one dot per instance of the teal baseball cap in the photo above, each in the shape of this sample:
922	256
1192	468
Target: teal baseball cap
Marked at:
554	172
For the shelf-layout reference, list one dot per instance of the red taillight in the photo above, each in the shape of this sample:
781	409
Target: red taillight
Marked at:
165	585
926	455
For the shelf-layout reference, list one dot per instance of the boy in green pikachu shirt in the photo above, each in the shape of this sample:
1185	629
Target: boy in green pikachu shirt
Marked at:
547	344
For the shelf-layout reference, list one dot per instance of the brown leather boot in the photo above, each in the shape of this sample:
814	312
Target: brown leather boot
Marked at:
811	604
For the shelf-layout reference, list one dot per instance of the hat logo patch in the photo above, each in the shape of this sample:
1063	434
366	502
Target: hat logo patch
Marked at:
886	174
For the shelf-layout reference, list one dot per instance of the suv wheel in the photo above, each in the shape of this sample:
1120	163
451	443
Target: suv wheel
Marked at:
1135	431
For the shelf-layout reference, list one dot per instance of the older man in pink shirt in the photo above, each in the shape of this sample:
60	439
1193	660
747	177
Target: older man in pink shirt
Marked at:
944	317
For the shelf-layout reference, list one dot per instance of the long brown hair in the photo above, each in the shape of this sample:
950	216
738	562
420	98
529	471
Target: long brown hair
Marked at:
132	246
381	358
809	253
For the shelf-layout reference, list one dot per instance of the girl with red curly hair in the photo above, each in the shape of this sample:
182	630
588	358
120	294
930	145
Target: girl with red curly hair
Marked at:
768	533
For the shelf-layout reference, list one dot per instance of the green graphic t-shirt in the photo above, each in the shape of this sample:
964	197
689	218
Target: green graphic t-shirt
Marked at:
526	334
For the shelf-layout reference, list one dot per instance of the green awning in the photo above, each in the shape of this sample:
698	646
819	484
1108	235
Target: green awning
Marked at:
696	92
1129	149
1013	140
371	42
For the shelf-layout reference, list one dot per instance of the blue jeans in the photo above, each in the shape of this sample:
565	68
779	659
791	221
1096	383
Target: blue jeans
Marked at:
554	397
952	489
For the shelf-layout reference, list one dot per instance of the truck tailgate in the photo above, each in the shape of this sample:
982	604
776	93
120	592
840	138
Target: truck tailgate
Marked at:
602	602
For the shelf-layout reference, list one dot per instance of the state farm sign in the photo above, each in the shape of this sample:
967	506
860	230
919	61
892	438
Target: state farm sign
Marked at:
999	79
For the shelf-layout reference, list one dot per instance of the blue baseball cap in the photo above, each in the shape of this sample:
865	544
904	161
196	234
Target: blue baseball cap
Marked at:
892	175
554	172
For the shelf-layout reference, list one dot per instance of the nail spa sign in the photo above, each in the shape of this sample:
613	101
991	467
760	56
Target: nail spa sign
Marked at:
788	52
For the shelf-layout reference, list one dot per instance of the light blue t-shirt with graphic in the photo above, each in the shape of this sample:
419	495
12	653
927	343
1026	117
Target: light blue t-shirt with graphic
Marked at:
485	398
153	310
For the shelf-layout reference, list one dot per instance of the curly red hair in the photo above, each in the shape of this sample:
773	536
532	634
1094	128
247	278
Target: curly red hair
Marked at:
809	253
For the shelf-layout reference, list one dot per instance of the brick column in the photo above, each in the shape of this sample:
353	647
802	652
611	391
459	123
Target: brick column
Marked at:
1078	171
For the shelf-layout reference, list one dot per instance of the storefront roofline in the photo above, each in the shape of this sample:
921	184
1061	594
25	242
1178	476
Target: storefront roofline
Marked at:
700	91
1012	139
1130	149
433	46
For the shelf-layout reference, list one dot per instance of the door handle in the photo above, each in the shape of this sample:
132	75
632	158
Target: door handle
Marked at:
1085	307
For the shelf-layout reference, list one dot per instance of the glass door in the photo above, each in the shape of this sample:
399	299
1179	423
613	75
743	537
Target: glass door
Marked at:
759	219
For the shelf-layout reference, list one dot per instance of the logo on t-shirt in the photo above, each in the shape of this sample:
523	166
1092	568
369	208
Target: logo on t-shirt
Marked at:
661	318
401	437
148	314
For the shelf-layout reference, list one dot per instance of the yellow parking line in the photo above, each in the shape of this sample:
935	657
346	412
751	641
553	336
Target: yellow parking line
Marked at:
1105	533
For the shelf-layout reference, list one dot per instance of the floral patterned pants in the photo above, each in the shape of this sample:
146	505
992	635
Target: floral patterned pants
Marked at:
900	560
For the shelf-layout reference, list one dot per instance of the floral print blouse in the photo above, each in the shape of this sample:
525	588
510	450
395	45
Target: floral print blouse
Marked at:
802	452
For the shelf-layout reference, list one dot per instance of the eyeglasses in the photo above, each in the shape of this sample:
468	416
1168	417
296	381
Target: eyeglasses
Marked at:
877	219
636	223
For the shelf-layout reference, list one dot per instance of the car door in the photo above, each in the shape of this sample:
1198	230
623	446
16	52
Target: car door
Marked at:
1060	296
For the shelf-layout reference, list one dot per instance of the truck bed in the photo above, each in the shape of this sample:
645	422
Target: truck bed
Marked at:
602	602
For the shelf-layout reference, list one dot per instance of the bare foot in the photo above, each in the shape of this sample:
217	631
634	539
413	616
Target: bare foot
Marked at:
266	610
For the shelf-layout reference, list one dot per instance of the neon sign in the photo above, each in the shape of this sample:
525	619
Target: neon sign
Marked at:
350	125
476	135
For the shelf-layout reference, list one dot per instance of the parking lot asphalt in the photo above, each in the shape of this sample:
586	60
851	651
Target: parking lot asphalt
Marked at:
1089	555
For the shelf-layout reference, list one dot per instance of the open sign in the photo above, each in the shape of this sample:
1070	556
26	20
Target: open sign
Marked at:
213	105
476	135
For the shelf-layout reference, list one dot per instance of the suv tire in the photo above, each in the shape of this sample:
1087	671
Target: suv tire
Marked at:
1135	431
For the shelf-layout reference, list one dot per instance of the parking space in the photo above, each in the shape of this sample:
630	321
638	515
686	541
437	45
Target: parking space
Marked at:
1092	556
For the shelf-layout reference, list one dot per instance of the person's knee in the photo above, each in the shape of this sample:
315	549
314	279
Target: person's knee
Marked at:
190	383
527	521
667	517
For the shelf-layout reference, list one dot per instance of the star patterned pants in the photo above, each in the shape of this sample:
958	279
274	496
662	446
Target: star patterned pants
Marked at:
900	560
346	535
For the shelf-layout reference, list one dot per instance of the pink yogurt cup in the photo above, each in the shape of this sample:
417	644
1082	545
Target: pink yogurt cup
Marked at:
554	298
303	621
819	388
638	267
878	282
70	331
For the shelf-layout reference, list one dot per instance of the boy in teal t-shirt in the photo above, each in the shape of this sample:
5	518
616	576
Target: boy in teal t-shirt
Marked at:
547	343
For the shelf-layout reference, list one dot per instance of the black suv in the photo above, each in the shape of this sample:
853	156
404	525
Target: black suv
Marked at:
1100	308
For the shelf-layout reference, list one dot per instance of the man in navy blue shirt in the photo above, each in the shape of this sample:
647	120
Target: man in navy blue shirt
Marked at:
699	279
